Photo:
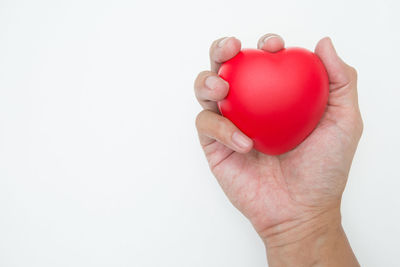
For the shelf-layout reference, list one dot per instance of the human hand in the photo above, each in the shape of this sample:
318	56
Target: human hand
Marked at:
291	197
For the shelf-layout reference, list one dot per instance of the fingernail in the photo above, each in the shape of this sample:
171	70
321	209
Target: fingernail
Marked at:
241	140
213	81
267	38
223	41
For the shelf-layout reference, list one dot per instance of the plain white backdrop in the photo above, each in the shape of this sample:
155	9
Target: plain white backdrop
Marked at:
99	159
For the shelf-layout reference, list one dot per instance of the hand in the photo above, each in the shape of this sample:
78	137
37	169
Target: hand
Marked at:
296	196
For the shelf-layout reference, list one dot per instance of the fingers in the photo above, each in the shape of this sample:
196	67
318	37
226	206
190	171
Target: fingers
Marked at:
343	97
210	88
338	71
212	126
222	50
342	77
271	42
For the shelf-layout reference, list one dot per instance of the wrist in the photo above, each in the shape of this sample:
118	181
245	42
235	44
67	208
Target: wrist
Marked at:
317	239
311	224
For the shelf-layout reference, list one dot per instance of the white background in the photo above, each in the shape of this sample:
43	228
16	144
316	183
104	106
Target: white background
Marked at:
99	159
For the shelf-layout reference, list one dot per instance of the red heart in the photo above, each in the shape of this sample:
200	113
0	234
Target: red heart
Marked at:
276	99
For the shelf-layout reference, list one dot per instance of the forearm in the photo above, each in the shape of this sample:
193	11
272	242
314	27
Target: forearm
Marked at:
320	241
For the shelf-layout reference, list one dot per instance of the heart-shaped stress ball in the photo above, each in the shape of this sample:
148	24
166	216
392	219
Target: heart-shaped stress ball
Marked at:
277	99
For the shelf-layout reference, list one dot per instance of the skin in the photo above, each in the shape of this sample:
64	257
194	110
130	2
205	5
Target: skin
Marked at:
292	200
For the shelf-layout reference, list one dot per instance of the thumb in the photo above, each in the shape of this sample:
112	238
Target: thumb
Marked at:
342	77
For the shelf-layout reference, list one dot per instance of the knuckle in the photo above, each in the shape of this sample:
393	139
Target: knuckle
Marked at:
200	79
224	129
212	124
353	73
199	119
215	126
204	73
213	45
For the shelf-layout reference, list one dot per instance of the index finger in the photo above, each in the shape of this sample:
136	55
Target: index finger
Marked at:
222	50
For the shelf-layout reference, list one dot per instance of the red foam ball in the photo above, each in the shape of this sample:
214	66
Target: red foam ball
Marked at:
276	99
